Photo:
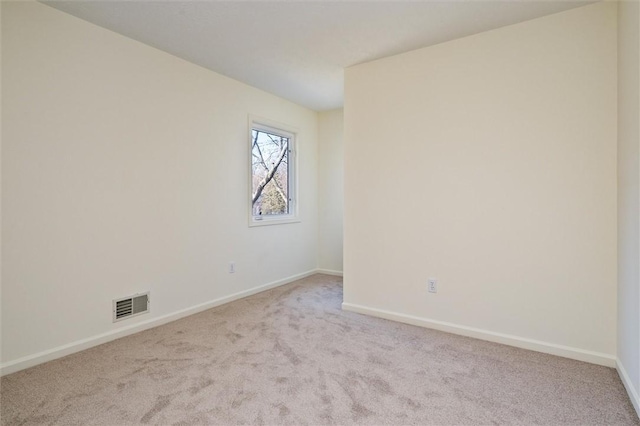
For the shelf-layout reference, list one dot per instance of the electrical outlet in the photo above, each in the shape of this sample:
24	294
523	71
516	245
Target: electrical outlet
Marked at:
432	285
232	267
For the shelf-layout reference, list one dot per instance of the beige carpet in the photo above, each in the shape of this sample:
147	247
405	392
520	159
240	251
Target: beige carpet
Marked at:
292	356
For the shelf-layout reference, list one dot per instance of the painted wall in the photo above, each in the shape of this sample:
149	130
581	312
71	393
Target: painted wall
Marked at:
330	189
0	180
125	169
489	163
628	194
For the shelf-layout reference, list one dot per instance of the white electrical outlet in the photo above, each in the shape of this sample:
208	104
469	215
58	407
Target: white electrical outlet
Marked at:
232	267
432	285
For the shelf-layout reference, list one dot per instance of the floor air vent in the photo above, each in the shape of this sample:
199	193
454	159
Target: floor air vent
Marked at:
130	306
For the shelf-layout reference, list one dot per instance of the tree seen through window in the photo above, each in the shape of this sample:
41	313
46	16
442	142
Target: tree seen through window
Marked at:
270	173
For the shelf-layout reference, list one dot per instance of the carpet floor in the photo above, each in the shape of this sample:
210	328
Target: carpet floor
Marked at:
291	356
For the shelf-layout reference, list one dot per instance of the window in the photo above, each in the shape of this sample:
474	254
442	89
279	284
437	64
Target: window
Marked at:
272	175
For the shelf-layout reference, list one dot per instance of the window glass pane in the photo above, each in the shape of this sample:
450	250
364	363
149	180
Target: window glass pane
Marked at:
270	173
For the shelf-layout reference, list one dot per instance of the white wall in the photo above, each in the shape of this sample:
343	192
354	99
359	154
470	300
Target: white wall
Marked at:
330	189
125	169
489	162
628	194
1	180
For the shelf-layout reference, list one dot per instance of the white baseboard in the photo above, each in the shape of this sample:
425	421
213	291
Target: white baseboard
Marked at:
628	385
80	345
329	272
506	339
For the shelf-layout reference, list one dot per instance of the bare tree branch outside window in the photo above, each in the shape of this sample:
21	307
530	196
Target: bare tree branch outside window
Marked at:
270	173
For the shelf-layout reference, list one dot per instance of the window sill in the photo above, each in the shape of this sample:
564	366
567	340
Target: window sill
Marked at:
273	221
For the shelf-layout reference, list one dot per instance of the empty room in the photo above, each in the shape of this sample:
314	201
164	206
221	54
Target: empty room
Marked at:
320	212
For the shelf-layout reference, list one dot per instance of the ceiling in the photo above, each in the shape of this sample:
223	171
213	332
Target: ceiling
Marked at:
298	49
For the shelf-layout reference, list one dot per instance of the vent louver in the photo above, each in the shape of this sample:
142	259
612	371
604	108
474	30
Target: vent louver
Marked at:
130	306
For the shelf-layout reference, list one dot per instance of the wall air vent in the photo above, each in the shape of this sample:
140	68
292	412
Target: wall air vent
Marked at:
131	306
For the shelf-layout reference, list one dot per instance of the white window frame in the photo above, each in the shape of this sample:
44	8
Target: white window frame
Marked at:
290	132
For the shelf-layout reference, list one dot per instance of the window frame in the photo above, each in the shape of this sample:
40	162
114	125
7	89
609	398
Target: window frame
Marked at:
291	133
